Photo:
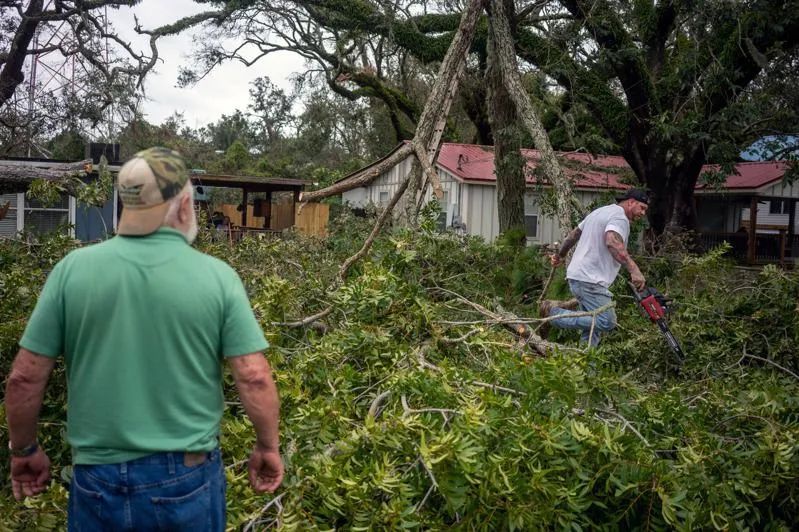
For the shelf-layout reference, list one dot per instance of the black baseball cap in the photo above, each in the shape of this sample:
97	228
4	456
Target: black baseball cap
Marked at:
637	194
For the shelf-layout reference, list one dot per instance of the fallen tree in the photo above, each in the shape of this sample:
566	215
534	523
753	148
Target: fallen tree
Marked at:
415	409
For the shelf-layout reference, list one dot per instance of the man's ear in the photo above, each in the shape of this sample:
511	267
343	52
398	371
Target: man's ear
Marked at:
186	205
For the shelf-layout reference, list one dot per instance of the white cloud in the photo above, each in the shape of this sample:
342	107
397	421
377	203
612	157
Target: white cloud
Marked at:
221	92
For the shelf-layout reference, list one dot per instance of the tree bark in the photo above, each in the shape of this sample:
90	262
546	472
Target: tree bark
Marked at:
683	183
361	178
509	164
432	120
11	75
550	168
23	173
474	99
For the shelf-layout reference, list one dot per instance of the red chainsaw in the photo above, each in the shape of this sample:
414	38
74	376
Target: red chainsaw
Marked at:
657	308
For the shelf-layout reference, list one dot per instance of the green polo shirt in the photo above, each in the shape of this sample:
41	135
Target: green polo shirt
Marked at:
143	323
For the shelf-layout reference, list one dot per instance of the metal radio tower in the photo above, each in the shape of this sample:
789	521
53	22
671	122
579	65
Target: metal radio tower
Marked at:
51	75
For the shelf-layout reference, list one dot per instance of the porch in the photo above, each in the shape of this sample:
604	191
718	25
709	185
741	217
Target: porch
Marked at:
266	207
730	218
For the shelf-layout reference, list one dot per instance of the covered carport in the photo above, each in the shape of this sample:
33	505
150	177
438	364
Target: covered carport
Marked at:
268	187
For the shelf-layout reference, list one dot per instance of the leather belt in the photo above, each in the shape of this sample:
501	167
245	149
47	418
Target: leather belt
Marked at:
194	459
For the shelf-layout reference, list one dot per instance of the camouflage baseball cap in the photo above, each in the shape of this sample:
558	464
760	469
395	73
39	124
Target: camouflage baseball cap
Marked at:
146	183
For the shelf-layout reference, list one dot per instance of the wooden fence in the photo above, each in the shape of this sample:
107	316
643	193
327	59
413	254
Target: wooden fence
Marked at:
312	220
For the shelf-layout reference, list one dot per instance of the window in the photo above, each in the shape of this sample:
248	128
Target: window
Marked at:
531	225
383	198
20	213
8	214
41	219
779	206
530	216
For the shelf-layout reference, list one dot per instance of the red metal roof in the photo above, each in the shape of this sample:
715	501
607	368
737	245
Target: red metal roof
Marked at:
475	163
750	175
471	162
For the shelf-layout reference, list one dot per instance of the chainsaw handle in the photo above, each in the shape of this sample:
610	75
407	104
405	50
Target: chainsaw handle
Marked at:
636	293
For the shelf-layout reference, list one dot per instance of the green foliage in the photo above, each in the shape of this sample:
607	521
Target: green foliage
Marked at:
93	192
69	145
385	424
236	157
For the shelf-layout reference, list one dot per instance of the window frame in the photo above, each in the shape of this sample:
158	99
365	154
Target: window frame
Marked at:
537	226
22	210
531	210
782	206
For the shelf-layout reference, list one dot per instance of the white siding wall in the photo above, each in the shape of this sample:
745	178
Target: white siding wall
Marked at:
782	190
382	189
451	203
482	217
765	218
356	197
387	182
472	204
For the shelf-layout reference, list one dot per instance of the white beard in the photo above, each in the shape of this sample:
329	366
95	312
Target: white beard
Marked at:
191	232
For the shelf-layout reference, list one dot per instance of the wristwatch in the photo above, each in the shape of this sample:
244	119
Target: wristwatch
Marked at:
25	451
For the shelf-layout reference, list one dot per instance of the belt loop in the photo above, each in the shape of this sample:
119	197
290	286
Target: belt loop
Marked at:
171	460
123	468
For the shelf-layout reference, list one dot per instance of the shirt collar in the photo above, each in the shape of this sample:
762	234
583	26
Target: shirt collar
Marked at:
162	234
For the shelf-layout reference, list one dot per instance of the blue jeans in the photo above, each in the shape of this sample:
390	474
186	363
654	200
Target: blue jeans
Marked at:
156	492
590	296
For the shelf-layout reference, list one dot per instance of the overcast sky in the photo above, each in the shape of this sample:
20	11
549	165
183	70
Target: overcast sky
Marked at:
221	92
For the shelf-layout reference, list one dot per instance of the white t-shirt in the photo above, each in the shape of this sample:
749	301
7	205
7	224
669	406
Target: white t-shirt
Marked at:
592	262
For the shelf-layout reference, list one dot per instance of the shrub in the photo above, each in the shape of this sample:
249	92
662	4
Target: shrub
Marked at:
411	412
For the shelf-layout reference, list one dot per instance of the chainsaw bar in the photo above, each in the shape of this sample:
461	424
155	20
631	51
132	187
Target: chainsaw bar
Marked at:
655	306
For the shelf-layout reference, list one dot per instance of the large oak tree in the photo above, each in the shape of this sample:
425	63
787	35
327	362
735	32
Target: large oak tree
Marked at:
673	83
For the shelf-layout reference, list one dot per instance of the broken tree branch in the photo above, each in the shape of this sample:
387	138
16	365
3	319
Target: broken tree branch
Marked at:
375	408
513	323
434	114
510	73
428	134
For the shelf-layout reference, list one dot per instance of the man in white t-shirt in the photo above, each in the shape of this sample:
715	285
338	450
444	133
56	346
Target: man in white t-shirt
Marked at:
601	240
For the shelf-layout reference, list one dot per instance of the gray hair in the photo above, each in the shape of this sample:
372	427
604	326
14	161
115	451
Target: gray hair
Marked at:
171	217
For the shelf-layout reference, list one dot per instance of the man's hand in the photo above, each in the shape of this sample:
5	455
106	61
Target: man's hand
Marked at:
637	279
259	397
555	260
265	469
30	475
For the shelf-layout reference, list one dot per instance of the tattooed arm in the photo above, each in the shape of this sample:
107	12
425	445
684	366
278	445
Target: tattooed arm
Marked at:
618	250
568	243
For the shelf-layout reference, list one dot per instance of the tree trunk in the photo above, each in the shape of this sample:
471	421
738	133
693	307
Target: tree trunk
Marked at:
683	183
683	215
11	75
361	178
433	118
508	163
506	53
671	187
474	99
410	210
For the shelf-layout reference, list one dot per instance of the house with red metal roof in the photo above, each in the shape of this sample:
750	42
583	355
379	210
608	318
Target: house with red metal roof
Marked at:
468	179
754	195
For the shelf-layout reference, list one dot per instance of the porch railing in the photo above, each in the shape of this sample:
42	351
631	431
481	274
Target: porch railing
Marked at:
769	247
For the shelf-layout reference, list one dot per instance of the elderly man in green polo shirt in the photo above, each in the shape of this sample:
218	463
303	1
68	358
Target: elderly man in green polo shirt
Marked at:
144	322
